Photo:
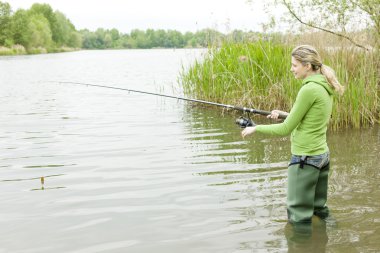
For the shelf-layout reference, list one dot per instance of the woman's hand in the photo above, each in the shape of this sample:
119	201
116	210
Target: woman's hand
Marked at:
247	131
276	113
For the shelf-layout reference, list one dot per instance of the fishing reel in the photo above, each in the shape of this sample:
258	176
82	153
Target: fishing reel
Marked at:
244	122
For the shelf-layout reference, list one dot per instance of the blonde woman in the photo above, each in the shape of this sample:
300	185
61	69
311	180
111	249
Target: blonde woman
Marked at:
307	124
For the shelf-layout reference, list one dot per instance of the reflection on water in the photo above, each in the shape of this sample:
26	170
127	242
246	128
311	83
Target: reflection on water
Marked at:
216	138
307	237
136	173
41	179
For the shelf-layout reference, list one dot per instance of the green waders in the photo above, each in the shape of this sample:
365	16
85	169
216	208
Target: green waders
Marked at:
307	192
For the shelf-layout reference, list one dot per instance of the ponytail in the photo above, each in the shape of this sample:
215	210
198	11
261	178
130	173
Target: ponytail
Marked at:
329	73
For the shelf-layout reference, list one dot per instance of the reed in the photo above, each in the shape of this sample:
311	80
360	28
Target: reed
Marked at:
13	50
5	51
258	75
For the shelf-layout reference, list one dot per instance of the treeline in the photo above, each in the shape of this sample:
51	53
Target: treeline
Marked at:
36	30
40	29
102	39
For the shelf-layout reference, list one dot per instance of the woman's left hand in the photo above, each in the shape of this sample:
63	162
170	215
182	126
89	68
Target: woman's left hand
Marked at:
247	131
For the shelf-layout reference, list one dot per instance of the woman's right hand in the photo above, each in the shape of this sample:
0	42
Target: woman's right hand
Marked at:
276	113
248	131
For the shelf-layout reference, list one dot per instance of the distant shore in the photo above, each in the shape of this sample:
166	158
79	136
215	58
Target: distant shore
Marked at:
20	50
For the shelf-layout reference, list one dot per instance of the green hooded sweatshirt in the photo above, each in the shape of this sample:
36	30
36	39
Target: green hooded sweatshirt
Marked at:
308	119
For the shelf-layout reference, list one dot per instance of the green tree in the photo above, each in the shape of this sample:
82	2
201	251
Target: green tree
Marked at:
88	39
74	40
140	39
108	43
47	12
100	38
5	22
207	37
19	27
65	30
175	39
189	39
115	36
151	37
39	32
126	41
237	36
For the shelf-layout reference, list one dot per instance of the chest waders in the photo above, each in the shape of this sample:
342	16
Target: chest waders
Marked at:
307	189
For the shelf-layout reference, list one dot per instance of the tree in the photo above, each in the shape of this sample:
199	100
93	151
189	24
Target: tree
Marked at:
64	30
140	38
115	34
208	37
37	27
189	38
19	27
107	40
175	39
88	39
74	40
151	37
337	16
160	37
5	22
342	18
237	35
39	32
126	41
46	11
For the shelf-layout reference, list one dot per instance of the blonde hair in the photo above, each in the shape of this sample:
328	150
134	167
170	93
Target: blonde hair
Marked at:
308	54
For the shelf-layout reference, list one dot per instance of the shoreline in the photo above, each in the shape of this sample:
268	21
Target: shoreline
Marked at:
16	50
6	51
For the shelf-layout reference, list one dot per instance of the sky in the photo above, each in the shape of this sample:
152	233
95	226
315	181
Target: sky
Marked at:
181	15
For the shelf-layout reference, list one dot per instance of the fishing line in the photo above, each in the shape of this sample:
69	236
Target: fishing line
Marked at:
243	122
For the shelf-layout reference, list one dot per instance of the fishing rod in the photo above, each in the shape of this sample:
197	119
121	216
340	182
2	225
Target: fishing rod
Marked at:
242	122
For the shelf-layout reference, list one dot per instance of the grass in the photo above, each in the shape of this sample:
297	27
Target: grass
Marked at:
258	75
21	50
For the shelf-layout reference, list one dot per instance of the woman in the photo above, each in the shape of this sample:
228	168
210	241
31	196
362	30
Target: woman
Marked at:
307	123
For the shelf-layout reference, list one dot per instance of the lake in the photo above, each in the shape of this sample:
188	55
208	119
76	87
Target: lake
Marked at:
87	169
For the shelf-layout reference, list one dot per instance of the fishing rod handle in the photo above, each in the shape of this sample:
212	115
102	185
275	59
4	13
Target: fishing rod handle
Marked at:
261	112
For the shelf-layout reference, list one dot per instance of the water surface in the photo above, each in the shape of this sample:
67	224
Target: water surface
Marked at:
86	169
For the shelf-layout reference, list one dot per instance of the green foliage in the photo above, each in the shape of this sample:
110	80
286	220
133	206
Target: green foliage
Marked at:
38	29
41	27
39	32
5	22
243	74
257	75
46	11
101	39
19	27
66	35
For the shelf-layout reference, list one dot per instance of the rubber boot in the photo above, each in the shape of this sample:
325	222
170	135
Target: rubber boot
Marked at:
302	184
320	208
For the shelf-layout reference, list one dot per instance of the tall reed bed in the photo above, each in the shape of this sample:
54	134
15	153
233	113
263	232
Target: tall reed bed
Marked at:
258	75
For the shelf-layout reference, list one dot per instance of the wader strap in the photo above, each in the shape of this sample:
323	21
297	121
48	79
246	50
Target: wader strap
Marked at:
326	166
302	161
312	165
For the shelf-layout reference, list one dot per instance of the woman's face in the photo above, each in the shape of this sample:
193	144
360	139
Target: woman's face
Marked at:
299	70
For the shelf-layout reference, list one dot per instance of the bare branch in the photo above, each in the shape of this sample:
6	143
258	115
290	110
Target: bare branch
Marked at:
292	12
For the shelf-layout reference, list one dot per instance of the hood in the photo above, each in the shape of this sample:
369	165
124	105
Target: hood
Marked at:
319	79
